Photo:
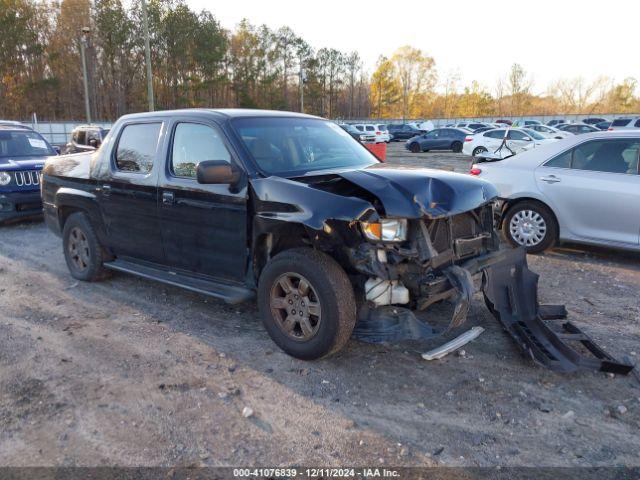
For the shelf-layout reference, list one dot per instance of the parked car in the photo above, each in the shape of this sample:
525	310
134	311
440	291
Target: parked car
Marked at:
603	125
549	132
282	206
629	122
13	123
425	126
473	126
577	128
438	139
403	131
357	134
504	121
518	139
383	128
22	155
379	135
85	138
583	189
525	123
556	121
593	120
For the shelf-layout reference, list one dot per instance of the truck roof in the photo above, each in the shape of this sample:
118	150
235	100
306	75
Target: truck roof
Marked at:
221	113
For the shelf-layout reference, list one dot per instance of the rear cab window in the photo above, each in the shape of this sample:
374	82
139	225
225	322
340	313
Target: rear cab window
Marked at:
137	147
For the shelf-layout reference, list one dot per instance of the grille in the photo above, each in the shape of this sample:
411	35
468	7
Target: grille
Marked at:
445	232
28	177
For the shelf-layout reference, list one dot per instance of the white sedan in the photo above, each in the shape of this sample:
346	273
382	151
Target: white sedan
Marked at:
550	132
583	189
518	140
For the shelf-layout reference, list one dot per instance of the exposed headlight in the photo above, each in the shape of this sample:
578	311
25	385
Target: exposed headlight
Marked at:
387	230
5	178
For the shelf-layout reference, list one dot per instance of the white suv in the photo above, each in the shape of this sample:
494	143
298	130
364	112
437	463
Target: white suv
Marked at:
627	122
371	129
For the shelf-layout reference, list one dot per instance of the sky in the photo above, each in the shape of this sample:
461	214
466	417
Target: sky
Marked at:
478	40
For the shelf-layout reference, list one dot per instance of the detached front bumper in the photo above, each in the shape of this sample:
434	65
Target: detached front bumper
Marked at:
510	292
20	204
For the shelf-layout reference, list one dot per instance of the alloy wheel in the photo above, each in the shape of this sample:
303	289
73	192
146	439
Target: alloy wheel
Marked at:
78	247
295	305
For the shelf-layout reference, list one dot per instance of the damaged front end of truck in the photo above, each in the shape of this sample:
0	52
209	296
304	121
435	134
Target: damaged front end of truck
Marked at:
411	238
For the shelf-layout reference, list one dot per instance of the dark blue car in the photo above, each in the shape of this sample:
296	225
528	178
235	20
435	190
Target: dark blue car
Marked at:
22	155
438	139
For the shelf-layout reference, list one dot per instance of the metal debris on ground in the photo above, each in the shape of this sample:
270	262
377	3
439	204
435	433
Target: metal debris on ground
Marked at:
454	344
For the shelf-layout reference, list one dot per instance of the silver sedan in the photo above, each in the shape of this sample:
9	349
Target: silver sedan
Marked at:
583	189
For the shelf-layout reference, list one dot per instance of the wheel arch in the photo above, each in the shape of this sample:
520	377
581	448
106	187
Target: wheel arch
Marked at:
69	201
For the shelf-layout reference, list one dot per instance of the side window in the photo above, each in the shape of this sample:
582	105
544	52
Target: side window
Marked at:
561	161
611	156
359	127
517	135
82	137
495	134
74	136
637	124
137	147
370	128
194	143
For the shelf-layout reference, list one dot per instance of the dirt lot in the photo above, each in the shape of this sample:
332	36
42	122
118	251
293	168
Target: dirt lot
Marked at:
130	372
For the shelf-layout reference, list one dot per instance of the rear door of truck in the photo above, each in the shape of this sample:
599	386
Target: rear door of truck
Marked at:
129	195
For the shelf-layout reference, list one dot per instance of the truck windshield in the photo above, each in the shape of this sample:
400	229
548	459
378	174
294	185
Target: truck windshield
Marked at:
23	144
293	146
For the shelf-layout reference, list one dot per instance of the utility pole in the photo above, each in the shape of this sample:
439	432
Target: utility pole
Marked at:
147	56
303	79
83	46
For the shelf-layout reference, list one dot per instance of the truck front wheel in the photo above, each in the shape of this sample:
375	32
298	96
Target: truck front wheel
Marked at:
82	250
307	303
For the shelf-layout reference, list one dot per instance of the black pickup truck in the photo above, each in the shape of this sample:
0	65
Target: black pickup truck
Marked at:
291	209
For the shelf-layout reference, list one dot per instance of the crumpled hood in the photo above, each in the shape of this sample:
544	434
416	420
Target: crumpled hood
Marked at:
22	163
416	192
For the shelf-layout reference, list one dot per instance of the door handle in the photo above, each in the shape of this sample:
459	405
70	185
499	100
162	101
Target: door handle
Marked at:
106	190
168	198
550	179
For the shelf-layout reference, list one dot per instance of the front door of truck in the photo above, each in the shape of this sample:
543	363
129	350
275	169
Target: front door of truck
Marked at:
129	194
204	227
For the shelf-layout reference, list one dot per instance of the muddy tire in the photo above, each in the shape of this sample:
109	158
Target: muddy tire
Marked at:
456	147
531	225
82	250
415	148
307	304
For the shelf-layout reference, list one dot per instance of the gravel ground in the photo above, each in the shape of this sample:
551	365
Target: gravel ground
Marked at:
129	372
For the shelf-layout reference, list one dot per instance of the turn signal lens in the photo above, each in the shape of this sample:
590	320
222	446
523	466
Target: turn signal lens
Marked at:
475	171
387	230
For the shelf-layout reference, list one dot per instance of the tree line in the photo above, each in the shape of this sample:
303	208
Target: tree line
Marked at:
198	63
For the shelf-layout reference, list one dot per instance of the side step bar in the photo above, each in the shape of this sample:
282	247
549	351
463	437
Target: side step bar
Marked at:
229	293
511	294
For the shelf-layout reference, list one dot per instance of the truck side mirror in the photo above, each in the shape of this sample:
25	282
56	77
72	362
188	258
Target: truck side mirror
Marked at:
217	172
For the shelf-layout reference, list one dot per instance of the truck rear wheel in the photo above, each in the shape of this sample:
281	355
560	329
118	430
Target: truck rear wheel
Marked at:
82	250
307	303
